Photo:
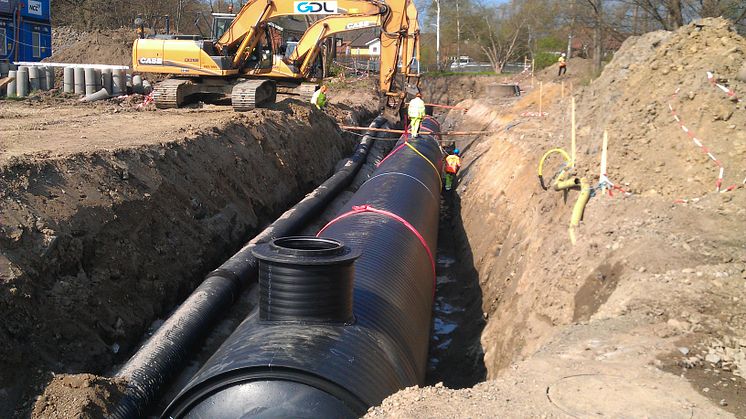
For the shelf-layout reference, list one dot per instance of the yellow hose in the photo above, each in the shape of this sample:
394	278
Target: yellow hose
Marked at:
577	211
561	184
544	158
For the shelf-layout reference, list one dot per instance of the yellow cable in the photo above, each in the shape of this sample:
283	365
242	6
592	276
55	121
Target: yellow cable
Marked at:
550	152
437	172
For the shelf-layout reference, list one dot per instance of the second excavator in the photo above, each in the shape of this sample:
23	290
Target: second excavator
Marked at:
248	60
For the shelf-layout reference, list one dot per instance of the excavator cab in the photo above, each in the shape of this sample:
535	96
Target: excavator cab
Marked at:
220	23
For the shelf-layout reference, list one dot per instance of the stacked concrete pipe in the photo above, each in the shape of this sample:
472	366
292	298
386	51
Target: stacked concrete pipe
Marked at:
22	81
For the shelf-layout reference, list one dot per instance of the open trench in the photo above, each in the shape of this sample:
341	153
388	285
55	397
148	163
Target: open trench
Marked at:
465	348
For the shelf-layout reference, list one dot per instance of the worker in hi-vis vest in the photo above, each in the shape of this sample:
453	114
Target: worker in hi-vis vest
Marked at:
319	98
453	165
562	65
416	114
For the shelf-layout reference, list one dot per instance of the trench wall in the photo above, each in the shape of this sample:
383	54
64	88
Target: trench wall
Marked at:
94	247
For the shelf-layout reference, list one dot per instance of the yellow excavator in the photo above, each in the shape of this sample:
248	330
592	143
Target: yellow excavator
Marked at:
248	60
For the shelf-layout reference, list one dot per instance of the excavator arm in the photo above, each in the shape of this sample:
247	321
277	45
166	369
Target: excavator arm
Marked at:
244	34
309	45
399	43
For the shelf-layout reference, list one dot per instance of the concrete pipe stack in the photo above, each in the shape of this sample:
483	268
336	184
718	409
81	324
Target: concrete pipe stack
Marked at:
49	75
22	81
68	82
91	85
33	77
119	82
79	81
106	80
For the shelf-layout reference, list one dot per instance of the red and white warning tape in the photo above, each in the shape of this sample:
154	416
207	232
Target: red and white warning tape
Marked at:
534	114
148	100
698	143
728	91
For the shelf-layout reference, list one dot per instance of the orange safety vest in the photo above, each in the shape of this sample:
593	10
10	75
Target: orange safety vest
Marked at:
453	164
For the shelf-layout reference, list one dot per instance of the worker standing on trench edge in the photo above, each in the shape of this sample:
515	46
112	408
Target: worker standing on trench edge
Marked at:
319	98
562	65
453	165
416	113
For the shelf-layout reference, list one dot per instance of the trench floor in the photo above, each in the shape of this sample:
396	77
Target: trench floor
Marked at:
456	357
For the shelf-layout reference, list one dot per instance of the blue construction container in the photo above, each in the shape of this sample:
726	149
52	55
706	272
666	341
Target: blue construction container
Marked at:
7	7
35	42
6	38
37	10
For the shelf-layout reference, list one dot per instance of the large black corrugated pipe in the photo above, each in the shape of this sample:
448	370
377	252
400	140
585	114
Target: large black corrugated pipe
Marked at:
163	355
311	369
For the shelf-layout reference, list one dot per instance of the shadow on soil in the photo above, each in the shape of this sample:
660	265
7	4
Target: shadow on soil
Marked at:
456	357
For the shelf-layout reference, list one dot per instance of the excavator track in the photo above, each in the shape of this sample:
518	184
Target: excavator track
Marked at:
306	91
171	93
251	94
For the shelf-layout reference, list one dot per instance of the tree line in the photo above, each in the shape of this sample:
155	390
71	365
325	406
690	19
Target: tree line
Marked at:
539	30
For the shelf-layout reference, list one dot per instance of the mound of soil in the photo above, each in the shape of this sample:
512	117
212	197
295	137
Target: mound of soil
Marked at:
643	316
110	217
82	396
113	47
631	101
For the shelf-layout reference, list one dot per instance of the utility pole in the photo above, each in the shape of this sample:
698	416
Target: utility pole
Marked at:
458	37
572	27
437	35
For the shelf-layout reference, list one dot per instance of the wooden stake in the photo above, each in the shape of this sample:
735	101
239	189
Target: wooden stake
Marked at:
604	150
541	98
573	133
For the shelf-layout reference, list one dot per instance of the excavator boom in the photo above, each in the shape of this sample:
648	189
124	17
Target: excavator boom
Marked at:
244	51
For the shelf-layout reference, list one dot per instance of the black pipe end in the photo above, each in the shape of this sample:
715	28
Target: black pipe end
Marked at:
306	279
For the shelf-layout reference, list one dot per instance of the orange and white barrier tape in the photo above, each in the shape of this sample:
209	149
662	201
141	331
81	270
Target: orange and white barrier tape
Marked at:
728	91
148	100
698	143
534	114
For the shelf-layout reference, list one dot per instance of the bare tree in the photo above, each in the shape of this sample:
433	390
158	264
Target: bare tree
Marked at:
598	38
497	38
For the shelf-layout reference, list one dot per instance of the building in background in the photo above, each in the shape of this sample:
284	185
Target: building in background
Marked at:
25	30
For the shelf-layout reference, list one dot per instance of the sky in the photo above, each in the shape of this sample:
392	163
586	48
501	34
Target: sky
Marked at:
424	5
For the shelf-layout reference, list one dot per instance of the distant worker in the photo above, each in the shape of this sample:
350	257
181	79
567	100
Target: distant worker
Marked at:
562	65
140	27
416	114
319	98
453	165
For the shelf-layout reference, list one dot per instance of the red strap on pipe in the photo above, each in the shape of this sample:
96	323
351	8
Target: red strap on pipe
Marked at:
396	150
367	208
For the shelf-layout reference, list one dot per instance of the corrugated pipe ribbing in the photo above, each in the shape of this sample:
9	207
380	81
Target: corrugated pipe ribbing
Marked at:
163	355
310	369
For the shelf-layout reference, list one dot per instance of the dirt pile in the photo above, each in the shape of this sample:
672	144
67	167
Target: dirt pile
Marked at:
110	217
64	37
631	101
89	390
645	312
113	47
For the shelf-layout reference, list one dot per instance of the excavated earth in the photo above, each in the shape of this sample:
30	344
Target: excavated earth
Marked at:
644	316
110	216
